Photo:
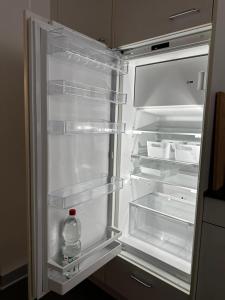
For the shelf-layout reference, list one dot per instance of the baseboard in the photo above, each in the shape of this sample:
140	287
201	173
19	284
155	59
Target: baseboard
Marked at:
12	277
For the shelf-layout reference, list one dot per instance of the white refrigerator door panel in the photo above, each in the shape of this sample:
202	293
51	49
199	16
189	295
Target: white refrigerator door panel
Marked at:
71	146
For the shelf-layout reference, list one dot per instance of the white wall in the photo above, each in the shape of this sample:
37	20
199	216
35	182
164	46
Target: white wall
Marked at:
13	202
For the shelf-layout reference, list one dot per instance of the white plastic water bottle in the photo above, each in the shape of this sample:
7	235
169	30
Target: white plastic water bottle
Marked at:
71	234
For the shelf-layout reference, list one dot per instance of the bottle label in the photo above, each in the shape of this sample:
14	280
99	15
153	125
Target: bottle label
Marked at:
68	259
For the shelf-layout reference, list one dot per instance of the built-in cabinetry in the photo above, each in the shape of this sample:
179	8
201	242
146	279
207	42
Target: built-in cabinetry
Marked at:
126	281
90	17
212	259
118	23
137	20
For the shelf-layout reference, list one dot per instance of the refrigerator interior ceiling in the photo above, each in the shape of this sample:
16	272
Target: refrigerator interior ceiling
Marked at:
169	43
80	49
79	89
191	51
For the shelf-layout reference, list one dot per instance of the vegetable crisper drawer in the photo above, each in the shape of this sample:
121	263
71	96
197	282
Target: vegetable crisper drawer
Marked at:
159	230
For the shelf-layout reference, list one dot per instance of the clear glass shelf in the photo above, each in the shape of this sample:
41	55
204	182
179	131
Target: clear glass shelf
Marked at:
77	48
169	161
168	206
57	262
78	89
74	127
83	192
173	131
179	179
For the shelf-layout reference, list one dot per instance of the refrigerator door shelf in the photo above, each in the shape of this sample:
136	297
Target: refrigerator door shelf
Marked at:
56	263
78	90
83	192
71	46
75	127
61	285
167	206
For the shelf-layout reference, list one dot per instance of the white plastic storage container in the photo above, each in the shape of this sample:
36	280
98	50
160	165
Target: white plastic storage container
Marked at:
159	149
187	152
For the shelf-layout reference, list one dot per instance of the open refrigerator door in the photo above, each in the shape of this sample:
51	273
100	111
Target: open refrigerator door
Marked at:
160	154
73	91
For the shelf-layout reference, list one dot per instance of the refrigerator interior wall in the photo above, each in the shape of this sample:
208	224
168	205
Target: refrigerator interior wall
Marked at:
176	82
159	161
81	76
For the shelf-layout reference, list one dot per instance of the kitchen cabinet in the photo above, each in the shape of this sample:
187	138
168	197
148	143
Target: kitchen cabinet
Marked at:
212	263
92	18
137	20
130	282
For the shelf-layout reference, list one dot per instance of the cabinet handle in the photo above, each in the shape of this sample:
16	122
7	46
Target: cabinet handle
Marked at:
185	12
140	281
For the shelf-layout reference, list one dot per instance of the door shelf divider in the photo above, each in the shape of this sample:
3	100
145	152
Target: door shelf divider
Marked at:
76	127
83	192
62	46
56	263
79	89
169	161
169	207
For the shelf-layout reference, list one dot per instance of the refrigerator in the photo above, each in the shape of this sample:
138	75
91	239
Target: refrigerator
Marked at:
122	135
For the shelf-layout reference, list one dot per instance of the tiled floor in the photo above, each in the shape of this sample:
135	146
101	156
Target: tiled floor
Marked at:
84	291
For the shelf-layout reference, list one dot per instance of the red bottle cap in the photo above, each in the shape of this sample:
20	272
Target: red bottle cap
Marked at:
72	212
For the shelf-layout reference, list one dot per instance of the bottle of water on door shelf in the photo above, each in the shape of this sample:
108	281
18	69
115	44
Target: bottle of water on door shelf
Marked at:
71	235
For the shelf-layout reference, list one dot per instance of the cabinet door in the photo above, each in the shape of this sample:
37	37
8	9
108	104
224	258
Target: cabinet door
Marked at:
90	17
137	20
132	283
211	273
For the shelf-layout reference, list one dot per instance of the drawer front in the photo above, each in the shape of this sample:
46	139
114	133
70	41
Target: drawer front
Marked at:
132	283
211	275
214	211
137	20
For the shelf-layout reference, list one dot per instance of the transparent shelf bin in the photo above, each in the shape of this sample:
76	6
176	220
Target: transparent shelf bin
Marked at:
161	231
57	263
74	47
180	179
86	191
163	160
78	89
74	127
168	206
